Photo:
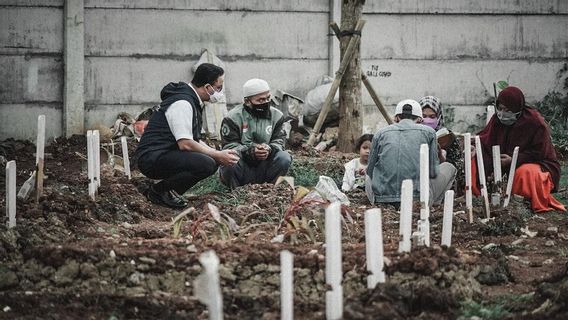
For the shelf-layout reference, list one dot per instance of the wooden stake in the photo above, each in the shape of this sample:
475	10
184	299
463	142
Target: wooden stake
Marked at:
366	82
481	169
286	285
333	268
11	194
405	228
511	177
335	85
425	194
468	195
374	247
125	157
448	216
40	153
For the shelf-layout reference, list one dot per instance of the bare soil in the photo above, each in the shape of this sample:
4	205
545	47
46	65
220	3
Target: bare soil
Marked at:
116	258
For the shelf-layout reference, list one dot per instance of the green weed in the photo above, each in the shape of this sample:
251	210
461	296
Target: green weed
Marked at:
500	307
208	185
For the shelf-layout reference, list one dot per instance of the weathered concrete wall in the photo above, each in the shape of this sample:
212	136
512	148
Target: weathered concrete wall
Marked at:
452	49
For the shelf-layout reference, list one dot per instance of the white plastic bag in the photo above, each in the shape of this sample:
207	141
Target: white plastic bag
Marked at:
329	190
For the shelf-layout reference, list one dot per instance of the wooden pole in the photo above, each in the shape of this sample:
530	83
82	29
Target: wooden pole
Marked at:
350	97
335	85
367	83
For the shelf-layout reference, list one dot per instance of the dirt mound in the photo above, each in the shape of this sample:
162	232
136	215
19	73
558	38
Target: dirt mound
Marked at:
427	279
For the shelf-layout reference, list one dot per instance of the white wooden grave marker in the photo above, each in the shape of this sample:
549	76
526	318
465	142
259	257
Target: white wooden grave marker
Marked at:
333	268
11	194
97	156
374	247
511	177
208	289
448	217
405	228
425	194
498	176
91	165
490	113
481	169
468	195
40	155
125	157
286	285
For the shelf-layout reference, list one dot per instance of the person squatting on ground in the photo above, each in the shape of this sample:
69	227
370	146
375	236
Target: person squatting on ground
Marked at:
171	149
255	131
452	152
354	176
538	171
395	156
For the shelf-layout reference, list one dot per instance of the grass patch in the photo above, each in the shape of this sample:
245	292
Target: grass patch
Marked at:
502	306
208	185
306	171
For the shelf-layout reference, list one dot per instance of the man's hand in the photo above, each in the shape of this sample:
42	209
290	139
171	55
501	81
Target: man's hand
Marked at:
227	157
505	160
261	151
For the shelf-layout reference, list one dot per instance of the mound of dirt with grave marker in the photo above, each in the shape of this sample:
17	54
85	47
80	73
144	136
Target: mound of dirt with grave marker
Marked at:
119	255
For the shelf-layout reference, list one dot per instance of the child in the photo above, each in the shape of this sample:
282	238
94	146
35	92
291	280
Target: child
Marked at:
354	176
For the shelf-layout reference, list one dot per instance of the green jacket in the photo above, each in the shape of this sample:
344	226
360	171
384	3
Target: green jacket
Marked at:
241	130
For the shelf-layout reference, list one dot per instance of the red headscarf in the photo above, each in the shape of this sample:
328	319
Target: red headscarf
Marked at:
512	98
530	133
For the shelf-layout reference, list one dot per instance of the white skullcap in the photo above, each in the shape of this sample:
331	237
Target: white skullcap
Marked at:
416	109
255	86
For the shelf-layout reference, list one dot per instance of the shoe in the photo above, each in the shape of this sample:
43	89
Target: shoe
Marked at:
167	198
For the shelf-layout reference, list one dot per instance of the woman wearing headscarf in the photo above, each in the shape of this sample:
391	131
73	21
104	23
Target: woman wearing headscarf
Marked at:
538	171
433	116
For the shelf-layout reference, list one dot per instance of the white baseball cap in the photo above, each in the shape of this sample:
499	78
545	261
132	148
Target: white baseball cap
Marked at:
254	86
408	106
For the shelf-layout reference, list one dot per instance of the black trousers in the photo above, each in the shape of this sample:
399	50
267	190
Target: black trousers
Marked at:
265	171
180	170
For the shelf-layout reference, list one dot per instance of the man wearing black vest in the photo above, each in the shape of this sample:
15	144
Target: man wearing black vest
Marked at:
170	148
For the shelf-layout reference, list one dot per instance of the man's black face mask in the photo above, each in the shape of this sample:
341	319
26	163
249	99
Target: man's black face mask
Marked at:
261	107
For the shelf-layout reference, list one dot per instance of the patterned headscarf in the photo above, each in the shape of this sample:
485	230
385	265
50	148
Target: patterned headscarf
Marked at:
434	104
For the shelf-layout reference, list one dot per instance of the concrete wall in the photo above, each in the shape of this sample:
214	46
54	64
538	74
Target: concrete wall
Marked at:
410	48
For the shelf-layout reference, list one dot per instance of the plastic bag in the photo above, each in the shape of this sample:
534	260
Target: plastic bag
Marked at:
329	190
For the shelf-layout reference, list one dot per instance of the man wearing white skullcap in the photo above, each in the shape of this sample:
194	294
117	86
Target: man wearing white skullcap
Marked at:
395	156
255	130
